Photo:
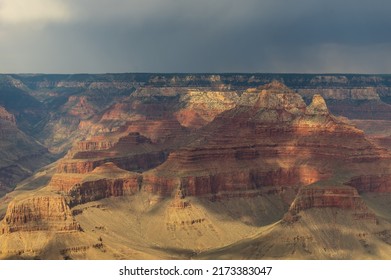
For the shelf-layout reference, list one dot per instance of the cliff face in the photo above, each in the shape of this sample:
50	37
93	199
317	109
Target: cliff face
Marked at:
342	198
310	197
271	127
201	107
39	213
103	188
104	181
235	183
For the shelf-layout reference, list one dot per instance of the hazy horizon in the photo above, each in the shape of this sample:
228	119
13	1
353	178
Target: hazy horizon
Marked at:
199	73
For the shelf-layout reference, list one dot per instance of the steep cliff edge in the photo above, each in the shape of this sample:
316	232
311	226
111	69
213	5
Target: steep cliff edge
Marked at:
105	181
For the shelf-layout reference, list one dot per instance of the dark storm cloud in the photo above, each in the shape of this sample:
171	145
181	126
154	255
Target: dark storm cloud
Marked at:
197	36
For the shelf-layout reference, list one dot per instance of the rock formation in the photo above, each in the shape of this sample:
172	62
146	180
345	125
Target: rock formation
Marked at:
201	107
318	106
6	116
182	150
38	213
338	197
272	124
105	181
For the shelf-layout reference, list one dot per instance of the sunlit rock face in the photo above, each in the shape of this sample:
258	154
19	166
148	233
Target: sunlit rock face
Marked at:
39	213
267	140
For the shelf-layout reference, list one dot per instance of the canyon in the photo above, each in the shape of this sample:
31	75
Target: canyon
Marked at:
195	166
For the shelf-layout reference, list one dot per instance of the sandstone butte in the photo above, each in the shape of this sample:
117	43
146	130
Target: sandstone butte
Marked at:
290	180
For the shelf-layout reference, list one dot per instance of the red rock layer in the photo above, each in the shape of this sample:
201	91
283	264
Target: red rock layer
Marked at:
319	197
101	142
156	130
73	166
235	181
268	128
104	181
190	118
95	143
39	213
62	182
131	162
345	198
103	188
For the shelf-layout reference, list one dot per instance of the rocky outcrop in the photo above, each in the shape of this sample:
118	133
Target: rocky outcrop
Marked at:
156	130
77	166
180	201
346	198
105	181
319	197
273	96
137	162
79	106
63	182
201	107
132	139
95	143
39	213
101	147
103	188
318	106
6	116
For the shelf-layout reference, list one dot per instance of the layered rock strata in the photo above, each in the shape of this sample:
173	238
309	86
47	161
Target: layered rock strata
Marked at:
181	144
343	197
105	181
271	128
39	213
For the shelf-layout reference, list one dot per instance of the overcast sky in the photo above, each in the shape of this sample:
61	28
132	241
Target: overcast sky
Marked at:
100	36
